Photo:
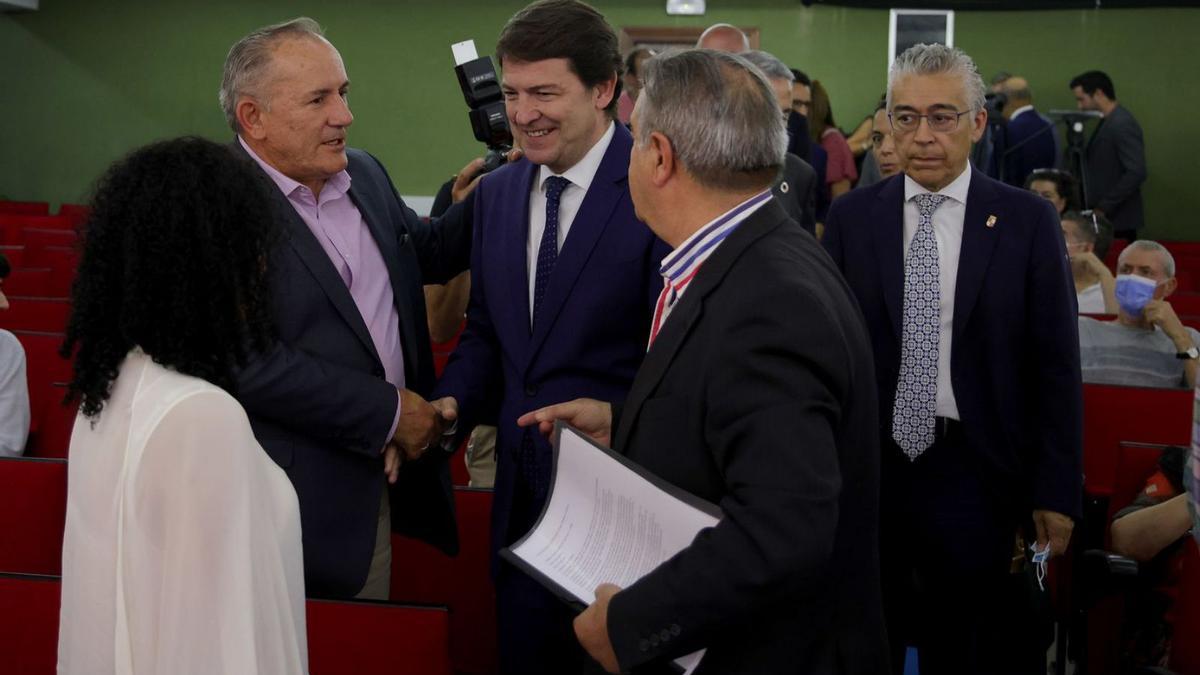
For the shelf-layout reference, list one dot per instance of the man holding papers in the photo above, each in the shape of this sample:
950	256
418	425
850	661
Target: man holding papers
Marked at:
757	394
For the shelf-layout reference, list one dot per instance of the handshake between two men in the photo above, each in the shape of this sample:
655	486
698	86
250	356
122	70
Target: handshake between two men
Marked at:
421	426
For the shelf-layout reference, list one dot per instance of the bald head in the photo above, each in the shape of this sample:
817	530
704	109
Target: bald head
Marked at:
1017	92
725	38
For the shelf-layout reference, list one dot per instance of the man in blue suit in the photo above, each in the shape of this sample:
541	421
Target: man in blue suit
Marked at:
563	280
1030	141
965	288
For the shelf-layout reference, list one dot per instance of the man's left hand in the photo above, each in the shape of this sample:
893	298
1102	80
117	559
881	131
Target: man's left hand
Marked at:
591	628
1162	314
1054	528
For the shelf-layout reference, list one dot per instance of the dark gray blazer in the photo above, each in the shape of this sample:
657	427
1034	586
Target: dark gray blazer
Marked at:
318	401
796	191
1116	169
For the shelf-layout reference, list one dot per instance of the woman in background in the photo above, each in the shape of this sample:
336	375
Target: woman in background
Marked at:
182	546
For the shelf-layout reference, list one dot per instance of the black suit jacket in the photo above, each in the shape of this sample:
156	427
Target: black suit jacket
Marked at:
758	395
796	190
1029	144
1014	358
1116	169
318	401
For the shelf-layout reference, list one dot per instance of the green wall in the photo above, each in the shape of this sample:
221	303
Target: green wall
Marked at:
82	82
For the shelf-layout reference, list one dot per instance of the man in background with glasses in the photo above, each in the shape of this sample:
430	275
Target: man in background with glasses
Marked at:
965	288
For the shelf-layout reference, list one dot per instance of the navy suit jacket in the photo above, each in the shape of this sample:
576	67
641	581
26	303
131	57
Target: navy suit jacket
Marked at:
1014	361
318	401
594	321
1036	139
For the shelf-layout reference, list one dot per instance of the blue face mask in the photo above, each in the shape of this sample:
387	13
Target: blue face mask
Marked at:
1133	292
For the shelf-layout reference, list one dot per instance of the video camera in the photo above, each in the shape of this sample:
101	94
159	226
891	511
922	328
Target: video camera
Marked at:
481	89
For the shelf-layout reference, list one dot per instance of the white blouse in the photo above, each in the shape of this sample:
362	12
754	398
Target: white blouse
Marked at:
1091	300
182	547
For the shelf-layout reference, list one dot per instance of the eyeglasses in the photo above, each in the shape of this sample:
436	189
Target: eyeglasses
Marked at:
1091	214
939	121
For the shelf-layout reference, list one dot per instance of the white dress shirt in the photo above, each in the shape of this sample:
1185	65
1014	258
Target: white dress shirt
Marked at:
947	229
580	177
1023	109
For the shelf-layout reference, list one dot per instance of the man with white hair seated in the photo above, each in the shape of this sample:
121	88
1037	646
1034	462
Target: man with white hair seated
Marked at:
1147	346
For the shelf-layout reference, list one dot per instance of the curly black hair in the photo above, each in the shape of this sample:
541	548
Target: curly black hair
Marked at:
174	261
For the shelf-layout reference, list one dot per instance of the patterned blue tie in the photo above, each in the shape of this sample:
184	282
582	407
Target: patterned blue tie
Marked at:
536	476
913	418
548	250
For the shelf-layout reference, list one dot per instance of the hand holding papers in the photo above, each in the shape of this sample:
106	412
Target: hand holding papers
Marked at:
606	521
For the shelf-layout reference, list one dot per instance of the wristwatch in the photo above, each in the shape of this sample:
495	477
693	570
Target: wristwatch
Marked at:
1192	353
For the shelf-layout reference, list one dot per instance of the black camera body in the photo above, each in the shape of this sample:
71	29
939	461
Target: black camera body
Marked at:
489	121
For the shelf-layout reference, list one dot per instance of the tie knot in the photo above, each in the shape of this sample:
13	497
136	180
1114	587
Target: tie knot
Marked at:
555	186
928	202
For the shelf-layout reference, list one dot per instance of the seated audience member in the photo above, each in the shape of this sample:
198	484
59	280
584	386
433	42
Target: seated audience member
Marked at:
840	172
182	546
1088	237
1055	185
14	394
1151	531
1147	345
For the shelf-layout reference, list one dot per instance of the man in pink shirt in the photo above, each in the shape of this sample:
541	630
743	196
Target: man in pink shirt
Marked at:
339	400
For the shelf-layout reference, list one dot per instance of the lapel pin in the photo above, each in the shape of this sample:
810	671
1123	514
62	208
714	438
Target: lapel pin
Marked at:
783	187
991	221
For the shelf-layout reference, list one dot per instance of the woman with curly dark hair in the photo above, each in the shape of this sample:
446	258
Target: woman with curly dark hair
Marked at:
182	547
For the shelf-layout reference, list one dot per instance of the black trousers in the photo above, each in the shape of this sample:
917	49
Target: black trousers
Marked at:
946	549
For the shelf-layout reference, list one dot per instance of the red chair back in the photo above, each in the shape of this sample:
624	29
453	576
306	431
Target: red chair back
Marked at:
36	314
76	213
33	511
1185	647
1113	414
343	637
421	573
41	237
24	208
15	255
29	624
377	638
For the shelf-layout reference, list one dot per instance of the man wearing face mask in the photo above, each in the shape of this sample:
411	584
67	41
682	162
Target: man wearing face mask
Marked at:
1147	346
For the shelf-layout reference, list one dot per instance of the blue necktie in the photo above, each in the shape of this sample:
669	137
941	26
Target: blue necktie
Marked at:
913	416
548	250
536	478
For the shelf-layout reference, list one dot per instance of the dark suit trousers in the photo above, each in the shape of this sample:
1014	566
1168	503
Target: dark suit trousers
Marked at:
535	630
945	552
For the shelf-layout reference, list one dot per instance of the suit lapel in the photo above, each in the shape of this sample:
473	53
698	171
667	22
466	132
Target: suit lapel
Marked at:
978	241
684	316
606	191
887	214
514	256
309	251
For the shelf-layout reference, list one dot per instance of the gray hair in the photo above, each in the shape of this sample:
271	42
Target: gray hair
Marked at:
936	59
1168	260
249	57
772	67
719	113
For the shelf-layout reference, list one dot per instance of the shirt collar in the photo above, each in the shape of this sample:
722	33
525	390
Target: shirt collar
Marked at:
956	190
584	171
1019	111
696	248
337	185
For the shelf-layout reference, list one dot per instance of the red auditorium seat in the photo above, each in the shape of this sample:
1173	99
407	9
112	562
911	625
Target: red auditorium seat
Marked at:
62	259
1185	648
41	237
52	423
28	281
359	638
33	508
1114	414
14	254
14	226
76	213
29	624
377	638
423	574
36	314
41	355
24	208
1185	303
